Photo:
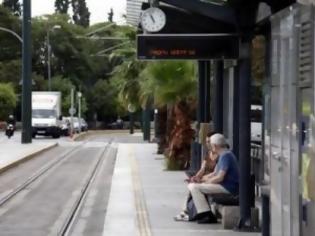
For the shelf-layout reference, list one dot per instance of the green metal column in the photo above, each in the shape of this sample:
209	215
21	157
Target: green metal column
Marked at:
218	98
245	191
131	122
146	124
207	85
27	71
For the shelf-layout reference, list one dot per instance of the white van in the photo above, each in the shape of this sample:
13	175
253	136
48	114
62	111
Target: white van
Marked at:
46	114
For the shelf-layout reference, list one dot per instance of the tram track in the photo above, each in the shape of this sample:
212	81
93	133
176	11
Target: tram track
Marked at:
37	175
61	192
78	205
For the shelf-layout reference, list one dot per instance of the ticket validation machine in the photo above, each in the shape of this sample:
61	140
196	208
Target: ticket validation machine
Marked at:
290	123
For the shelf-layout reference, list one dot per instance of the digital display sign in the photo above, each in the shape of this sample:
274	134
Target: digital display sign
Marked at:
187	46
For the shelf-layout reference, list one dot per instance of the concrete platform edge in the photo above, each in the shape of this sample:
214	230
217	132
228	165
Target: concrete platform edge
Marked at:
27	157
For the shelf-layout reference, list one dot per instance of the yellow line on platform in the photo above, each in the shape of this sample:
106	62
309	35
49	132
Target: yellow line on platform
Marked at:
143	221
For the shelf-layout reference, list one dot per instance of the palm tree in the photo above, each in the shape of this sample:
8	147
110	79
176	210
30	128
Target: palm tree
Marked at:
173	86
127	69
170	86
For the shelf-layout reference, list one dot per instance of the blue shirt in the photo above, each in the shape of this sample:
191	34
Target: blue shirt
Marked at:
228	163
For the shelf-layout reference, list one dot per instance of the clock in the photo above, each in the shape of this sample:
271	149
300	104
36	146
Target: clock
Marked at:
153	19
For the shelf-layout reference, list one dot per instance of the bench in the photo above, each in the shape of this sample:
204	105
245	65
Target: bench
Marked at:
226	208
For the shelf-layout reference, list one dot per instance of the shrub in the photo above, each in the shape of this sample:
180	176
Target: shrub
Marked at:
8	100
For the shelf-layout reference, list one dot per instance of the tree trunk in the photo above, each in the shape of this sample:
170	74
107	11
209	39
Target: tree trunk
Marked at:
181	136
161	129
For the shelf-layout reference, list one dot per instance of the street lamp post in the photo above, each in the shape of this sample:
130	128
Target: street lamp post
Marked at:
49	54
79	94
12	32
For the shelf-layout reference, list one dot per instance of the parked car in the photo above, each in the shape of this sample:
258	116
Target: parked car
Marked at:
75	121
76	125
65	126
84	125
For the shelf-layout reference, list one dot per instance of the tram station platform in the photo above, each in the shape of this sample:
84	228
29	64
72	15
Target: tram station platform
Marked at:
145	197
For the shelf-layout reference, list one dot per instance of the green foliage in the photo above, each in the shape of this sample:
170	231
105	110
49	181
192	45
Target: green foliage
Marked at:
64	86
127	76
39	83
7	100
84	62
105	100
10	48
10	72
13	5
81	14
62	6
170	82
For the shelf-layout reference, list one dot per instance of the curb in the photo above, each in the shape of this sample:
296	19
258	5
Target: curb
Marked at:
81	135
26	158
94	132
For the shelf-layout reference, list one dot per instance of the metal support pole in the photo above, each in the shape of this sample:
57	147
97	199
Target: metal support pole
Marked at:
48	60
143	121
147	125
265	191
244	136
156	124
265	215
236	95
218	111
207	97
79	110
203	111
201	92
72	108
27	72
131	122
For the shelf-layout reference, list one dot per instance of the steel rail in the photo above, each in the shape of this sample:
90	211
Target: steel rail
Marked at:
68	224
35	176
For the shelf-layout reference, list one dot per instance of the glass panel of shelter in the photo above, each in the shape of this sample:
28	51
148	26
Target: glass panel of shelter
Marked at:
292	123
306	118
275	135
282	144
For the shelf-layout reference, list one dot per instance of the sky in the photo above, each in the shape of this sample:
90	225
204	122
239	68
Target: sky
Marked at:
97	8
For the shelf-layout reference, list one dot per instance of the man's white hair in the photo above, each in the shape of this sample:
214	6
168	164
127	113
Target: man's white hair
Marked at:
218	139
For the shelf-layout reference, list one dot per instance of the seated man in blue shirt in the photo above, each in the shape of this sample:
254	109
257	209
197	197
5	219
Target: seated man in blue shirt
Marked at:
224	179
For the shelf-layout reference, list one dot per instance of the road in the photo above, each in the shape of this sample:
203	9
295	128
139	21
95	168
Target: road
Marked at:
63	191
17	138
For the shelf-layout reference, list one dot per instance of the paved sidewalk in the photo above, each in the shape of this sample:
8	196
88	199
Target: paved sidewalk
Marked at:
144	198
13	152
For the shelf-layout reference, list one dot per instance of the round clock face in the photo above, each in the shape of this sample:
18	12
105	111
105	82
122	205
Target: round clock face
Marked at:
153	19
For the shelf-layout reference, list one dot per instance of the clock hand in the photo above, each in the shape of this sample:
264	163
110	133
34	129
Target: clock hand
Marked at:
152	18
